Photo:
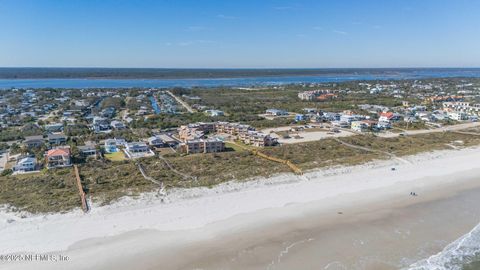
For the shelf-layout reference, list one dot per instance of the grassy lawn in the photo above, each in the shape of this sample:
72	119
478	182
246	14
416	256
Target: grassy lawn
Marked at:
117	156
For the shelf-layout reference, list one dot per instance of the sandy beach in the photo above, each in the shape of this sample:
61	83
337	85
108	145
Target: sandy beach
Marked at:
360	217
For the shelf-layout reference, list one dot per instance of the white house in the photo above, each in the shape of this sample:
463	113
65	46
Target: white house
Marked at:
156	142
117	124
276	112
214	113
26	164
138	150
458	116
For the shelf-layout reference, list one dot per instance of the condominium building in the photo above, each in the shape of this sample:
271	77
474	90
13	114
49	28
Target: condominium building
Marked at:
210	145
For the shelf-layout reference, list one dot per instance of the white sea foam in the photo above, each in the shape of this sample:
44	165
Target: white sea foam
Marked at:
458	253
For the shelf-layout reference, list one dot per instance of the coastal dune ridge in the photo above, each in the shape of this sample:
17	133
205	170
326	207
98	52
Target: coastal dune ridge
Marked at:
199	214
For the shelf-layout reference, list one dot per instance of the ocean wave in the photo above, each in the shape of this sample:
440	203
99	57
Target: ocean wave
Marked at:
455	255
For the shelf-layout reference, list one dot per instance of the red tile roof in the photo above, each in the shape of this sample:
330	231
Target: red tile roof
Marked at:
387	114
58	152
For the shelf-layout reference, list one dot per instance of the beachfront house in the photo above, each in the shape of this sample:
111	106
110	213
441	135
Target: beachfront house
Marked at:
26	164
58	157
138	150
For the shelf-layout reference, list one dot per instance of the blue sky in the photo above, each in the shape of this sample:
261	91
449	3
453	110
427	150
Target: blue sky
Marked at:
240	33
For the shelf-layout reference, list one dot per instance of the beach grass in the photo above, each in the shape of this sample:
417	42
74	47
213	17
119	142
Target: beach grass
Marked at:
46	191
107	180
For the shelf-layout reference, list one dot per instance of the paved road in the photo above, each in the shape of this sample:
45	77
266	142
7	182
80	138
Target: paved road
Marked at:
183	103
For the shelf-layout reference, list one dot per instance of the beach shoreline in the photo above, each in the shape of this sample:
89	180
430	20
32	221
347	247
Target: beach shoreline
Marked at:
111	235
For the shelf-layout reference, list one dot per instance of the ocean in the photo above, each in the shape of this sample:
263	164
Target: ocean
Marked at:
333	76
462	254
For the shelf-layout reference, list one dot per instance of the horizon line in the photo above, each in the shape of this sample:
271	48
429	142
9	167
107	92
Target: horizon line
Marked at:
233	68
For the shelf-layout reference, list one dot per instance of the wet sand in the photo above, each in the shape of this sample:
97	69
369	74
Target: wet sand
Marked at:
376	233
389	236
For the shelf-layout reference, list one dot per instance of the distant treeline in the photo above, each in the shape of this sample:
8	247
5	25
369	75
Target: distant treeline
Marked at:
169	73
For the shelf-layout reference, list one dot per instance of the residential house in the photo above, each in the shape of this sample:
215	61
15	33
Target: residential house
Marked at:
458	116
215	113
300	117
56	139
55	127
156	142
112	145
117	125
167	140
276	112
33	141
359	126
384	125
108	112
340	124
312	94
101	124
58	157
88	150
26	164
138	150
349	117
388	117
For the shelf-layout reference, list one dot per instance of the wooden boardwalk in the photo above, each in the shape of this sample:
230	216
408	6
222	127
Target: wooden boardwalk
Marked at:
256	152
83	198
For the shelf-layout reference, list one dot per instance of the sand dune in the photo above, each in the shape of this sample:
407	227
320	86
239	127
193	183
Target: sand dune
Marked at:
122	233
